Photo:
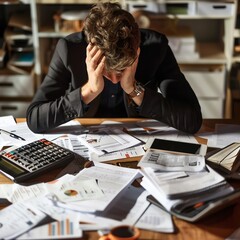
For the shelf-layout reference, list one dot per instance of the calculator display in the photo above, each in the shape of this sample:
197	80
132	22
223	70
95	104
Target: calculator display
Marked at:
9	167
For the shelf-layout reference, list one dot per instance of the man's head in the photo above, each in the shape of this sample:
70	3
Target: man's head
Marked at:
115	32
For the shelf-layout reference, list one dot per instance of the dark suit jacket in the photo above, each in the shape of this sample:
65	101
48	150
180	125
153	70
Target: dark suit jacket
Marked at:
168	96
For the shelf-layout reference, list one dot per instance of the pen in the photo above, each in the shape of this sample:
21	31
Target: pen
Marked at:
12	135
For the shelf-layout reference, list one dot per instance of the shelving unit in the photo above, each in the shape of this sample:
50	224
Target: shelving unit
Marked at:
16	76
211	22
46	36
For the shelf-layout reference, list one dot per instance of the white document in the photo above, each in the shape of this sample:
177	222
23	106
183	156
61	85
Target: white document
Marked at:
223	135
192	183
132	208
111	180
72	142
152	128
126	208
22	130
143	130
19	193
164	161
48	204
107	140
170	204
121	154
5	190
7	121
70	127
17	219
64	229
79	190
156	219
152	188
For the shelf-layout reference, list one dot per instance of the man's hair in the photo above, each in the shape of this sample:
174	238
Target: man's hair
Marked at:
115	32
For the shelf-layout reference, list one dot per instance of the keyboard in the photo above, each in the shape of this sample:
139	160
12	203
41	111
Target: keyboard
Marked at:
21	163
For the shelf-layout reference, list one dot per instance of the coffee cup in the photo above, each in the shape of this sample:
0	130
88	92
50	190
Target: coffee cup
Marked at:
124	232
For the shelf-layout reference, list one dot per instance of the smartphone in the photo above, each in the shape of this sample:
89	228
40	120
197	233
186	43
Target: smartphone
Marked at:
176	146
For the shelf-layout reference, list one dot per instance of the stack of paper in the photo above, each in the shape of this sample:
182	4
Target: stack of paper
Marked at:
185	187
178	180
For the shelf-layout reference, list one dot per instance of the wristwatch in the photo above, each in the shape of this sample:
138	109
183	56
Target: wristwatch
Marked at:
137	91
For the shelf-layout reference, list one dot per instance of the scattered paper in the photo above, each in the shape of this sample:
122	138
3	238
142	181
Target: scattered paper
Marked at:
122	154
63	229
72	142
111	180
223	135
17	219
107	140
155	219
7	121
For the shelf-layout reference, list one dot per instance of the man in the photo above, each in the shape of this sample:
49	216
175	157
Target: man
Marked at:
114	69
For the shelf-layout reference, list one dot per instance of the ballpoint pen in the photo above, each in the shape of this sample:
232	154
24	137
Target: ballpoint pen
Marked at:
12	135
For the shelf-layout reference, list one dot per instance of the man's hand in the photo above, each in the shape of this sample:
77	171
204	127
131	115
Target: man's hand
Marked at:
95	65
95	61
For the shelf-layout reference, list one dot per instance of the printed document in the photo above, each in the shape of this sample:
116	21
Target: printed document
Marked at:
111	180
121	154
223	135
146	129
163	161
156	219
107	140
78	190
64	229
195	182
17	219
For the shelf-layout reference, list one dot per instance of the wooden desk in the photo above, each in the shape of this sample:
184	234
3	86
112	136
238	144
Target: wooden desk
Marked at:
215	227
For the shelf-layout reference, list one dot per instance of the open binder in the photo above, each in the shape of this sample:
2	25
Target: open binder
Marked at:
194	209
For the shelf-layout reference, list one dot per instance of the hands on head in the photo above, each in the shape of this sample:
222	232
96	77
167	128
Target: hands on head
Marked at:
95	62
113	50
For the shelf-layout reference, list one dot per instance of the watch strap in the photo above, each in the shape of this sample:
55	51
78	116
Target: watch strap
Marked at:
137	91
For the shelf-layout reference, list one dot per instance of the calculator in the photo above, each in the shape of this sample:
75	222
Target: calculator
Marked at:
22	163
